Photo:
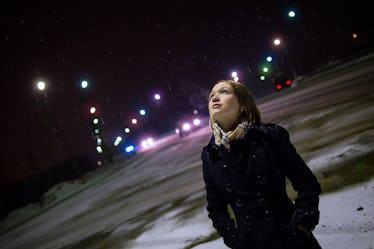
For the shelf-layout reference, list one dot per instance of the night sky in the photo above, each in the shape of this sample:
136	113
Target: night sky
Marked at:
129	51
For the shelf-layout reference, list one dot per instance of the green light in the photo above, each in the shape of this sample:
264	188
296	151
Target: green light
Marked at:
262	77
291	13
265	69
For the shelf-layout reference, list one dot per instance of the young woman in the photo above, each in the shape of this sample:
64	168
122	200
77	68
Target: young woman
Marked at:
245	166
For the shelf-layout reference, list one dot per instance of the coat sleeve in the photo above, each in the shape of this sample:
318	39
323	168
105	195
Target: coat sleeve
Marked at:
217	207
302	179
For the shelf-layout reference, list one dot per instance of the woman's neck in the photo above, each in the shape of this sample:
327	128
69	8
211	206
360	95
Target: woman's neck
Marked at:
226	127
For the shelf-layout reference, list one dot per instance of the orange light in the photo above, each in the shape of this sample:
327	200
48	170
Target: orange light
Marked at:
278	86
355	36
288	82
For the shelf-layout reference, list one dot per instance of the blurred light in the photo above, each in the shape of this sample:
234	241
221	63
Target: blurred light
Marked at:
288	82
157	96
196	121
291	13
97	131
177	131
84	84
234	74
118	141
236	79
269	59
186	127
92	110
99	149
134	121
278	86
41	85
99	141
144	144
150	141
142	112
147	143
354	36
129	148
277	42
195	112
95	121
127	130
265	68
99	163
262	77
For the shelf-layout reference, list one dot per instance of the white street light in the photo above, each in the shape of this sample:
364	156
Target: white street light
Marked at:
291	13
84	84
277	41
92	110
41	85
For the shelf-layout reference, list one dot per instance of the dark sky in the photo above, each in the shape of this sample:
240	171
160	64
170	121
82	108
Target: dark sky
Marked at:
128	50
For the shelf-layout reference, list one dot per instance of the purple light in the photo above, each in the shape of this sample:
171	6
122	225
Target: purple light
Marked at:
186	127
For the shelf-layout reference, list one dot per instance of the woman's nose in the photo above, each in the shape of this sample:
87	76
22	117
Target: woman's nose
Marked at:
215	98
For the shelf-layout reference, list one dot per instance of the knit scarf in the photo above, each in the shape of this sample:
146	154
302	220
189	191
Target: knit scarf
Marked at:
224	138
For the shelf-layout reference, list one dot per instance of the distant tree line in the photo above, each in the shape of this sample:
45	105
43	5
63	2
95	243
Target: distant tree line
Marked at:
34	187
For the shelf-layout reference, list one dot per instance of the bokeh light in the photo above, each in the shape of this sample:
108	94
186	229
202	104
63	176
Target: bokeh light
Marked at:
41	85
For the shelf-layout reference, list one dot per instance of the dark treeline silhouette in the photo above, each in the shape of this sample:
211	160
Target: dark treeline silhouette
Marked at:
34	187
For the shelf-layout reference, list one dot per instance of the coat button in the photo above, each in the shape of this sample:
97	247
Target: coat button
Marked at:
224	168
239	203
228	187
256	160
260	197
268	215
260	180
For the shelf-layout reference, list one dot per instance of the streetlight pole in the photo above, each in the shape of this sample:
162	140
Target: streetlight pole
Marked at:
278	43
53	126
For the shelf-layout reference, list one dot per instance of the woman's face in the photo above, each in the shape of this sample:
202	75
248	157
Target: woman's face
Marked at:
224	105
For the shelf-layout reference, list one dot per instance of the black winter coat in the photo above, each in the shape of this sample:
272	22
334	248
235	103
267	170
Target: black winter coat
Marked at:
251	178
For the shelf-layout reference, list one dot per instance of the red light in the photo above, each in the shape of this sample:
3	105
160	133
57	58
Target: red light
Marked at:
278	86
288	82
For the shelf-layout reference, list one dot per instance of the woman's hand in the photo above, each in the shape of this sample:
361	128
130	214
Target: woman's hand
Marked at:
304	230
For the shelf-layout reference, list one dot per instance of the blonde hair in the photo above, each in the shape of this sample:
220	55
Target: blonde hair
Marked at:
250	112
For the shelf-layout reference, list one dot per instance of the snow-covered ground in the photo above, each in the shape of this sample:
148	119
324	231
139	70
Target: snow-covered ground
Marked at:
156	200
